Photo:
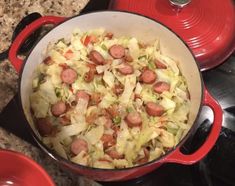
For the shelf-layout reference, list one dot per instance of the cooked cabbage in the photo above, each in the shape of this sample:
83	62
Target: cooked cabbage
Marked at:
106	102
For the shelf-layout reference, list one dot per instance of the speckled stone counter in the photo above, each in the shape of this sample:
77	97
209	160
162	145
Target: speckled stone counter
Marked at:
11	12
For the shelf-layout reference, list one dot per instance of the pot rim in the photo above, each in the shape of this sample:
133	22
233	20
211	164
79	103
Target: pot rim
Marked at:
62	160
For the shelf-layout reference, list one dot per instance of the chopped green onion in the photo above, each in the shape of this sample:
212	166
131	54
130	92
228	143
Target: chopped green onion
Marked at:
117	119
129	109
41	78
151	65
142	57
104	47
58	92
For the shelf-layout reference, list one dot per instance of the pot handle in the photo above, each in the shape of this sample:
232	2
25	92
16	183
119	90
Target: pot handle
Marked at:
17	62
178	157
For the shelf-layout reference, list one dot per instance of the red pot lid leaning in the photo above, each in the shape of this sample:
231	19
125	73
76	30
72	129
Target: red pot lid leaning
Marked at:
207	26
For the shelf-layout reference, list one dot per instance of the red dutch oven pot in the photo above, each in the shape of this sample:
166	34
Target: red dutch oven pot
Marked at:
18	169
120	23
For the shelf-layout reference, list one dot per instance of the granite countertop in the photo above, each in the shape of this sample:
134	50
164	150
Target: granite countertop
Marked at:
11	12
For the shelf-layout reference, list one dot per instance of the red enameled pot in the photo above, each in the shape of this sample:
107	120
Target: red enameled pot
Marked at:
208	27
145	29
18	169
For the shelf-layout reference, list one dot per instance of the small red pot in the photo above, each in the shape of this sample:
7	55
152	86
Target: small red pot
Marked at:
17	169
120	23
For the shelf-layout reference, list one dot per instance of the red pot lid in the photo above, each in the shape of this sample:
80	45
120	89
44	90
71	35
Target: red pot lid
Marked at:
207	26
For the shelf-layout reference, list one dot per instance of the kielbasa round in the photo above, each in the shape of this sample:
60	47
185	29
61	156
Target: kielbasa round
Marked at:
114	154
96	57
117	51
118	89
44	126
154	109
68	75
108	140
160	65
133	119
161	86
58	108
148	76
126	69
81	94
78	145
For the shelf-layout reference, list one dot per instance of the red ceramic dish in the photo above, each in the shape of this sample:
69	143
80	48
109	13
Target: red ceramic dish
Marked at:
17	169
206	26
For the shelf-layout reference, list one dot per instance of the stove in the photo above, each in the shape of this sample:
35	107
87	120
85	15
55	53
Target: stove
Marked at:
216	169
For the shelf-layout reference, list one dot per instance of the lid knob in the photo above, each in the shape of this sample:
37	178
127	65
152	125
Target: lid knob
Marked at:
179	3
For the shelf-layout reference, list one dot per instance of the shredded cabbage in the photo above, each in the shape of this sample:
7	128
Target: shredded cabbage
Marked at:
105	106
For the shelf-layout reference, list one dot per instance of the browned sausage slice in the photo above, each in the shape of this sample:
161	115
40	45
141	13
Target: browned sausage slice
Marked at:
128	58
96	57
126	69
145	158
118	89
81	94
44	126
109	35
161	86
68	75
117	51
64	120
58	108
153	109
78	145
108	140
48	61
114	154
148	76
95	98
133	119
160	65
108	123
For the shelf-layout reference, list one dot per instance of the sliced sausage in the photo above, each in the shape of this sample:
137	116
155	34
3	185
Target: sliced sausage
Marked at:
128	58
63	66
58	108
148	76
78	145
109	35
116	130
48	61
126	69
113	111
117	51
81	94
114	154
64	120
90	119
96	57
160	65
89	76
133	119
118	89
108	140
161	86
95	98
145	158
69	75
154	109
44	126
108	123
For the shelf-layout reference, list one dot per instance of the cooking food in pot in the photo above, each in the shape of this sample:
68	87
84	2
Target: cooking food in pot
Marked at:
109	102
